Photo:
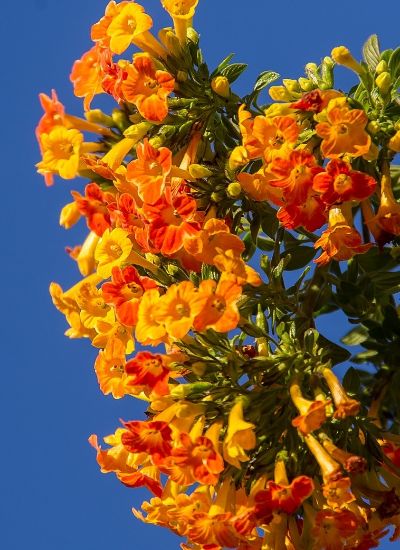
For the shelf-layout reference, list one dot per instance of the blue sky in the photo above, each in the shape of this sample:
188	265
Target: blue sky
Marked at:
52	492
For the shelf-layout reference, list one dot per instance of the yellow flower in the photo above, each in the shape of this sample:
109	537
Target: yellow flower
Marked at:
61	150
182	12
85	259
69	215
92	305
342	56
240	437
127	25
112	250
220	85
149	331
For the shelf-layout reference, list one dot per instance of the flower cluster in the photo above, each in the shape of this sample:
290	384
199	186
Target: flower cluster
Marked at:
251	440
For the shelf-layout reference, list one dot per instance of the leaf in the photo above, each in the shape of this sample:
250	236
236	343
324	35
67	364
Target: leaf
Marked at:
394	64
351	381
264	79
371	52
356	336
224	63
335	353
265	244
232	72
300	256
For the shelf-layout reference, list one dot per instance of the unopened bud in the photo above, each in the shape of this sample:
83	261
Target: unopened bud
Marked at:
152	258
120	119
373	127
342	56
381	67
291	85
327	72
98	117
157	141
199	368
234	190
306	84
279	93
394	142
69	215
384	82
238	157
181	391
137	131
170	41
220	86
192	35
197	171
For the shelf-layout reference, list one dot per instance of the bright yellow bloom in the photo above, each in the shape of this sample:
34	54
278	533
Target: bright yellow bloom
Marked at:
109	329
92	305
240	437
182	12
148	329
85	259
69	215
220	85
61	150
112	250
127	25
342	56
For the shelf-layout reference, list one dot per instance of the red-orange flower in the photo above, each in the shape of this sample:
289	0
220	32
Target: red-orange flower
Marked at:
275	134
148	437
149	370
124	292
282	498
93	205
150	171
172	219
331	526
315	101
339	183
148	88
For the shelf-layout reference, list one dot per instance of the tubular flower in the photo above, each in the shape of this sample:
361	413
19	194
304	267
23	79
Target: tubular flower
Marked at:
312	413
332	526
282	497
258	186
344	130
352	463
125	291
110	369
112	250
87	76
345	406
220	311
147	88
149	373
61	151
85	258
150	171
148	329
182	12
275	134
171	219
240	437
388	215
329	467
340	241
128	23
93	205
147	437
338	492
178	307
339	183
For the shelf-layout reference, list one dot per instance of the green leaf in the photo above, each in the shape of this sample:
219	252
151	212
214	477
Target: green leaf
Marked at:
356	336
232	72
351	381
224	63
371	52
394	64
335	353
265	244
264	79
300	256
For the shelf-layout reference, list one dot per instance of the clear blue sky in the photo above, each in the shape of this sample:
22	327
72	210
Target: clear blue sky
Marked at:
52	494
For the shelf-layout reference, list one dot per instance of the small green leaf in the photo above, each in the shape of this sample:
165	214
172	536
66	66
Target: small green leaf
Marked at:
356	336
336	353
300	256
394	64
232	72
264	79
224	63
351	381
371	52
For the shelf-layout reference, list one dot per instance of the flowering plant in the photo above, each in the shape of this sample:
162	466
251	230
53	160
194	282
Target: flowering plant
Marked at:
199	205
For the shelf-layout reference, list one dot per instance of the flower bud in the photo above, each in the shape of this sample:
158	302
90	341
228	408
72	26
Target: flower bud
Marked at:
220	86
394	142
98	117
199	368
197	171
192	35
279	93
238	157
234	190
342	56
170	41
181	391
384	82
327	72
306	84
69	215
291	85
381	67
120	119
373	127
137	131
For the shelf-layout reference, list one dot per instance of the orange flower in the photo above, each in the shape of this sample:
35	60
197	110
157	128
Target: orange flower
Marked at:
312	413
388	215
338	492
148	329
99	30
345	406
331	526
220	311
258	186
172	219
87	75
214	235
147	437
150	171
148	88
149	372
93	205
112	250
61	151
339	183
340	241
310	214
213	531
229	261
275	134
53	114
282	498
110	369
125	291
316	100
344	130
178	308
